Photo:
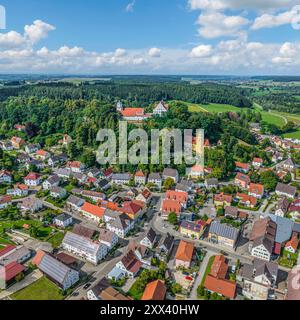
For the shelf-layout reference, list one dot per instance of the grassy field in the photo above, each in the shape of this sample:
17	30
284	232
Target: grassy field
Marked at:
57	239
212	107
293	135
43	289
272	118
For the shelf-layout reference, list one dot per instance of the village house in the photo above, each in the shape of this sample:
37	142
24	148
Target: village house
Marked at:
121	224
155	291
63	220
57	160
242	167
17	142
282	207
84	248
171	173
5	177
235	213
42	155
166	246
5	201
6	146
180	196
19	190
92	212
170	206
256	190
222	199
262	239
121	178
223	234
76	166
191	229
155	179
55	270
75	203
140	178
109	238
294	209
33	179
105	292
277	156
195	172
242	180
259	279
292	245
51	182
216	280
58	192
161	109
184	254
288	165
286	190
64	173
150	239
31	204
211	183
9	272
257	162
246	200
32	148
129	264
145	196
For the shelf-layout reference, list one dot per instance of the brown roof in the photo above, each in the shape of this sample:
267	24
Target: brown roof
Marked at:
155	291
130	262
263	227
83	231
224	287
38	257
185	251
65	258
219	267
110	294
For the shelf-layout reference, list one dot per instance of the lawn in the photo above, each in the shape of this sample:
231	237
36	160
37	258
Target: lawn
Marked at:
272	118
4	241
43	289
213	108
208	268
288	259
57	239
293	135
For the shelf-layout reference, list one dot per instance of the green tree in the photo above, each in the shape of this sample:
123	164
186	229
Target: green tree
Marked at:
172	218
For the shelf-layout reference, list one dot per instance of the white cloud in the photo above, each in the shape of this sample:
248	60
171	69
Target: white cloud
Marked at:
154	52
11	39
201	51
216	24
37	31
130	6
120	52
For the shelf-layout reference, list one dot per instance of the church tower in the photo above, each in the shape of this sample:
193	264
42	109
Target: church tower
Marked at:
119	106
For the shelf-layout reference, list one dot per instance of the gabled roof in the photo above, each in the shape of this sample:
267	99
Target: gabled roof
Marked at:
185	251
12	270
287	189
32	176
257	189
133	112
130	262
224	287
224	230
93	210
155	291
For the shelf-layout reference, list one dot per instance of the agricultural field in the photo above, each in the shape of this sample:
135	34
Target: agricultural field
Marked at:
212	107
43	289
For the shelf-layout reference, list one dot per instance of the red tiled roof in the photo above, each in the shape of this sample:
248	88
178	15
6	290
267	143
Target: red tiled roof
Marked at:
241	165
6	250
180	196
243	177
32	176
246	198
219	267
224	287
132	112
41	153
169	206
5	199
258	160
223	197
93	210
185	251
140	174
74	164
256	189
155	291
38	257
12	270
294	242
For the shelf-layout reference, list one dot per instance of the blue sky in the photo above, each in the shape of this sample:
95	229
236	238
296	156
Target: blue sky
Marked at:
151	36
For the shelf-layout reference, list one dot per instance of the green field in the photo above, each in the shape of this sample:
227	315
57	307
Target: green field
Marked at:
272	119
293	135
43	289
212	107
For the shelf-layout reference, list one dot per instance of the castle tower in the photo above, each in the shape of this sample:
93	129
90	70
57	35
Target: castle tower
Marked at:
119	106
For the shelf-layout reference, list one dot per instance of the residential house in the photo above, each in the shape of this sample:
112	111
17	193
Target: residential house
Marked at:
103	184
222	199
129	264
64	173
92	212
262	239
242	180
134	114
145	196
192	229
121	178
257	162
140	178
195	172
282	207
259	279
216	280
58	192
84	248
11	253
184	254
63	220
57	160
5	201
292	245
285	190
19	190
294	209
277	156
180	196
166	246
155	291
161	109
75	203
5	177
17	142
83	231
246	200
155	179
170	206
42	155
150	239
31	204
223	234
55	270
6	145
106	294
109	238
51	182
32	148
288	165
242	167
235	213
9	272
171	173
121	225
211	183
256	190
76	166
33	179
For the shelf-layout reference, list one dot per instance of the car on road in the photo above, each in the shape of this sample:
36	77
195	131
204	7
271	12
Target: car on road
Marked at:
87	286
75	294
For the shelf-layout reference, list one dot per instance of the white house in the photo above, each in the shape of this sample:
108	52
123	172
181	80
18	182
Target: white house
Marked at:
121	225
76	166
52	181
63	221
84	248
121	178
5	201
150	239
19	190
58	192
109	238
262	249
160	109
129	264
5	176
155	178
33	179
